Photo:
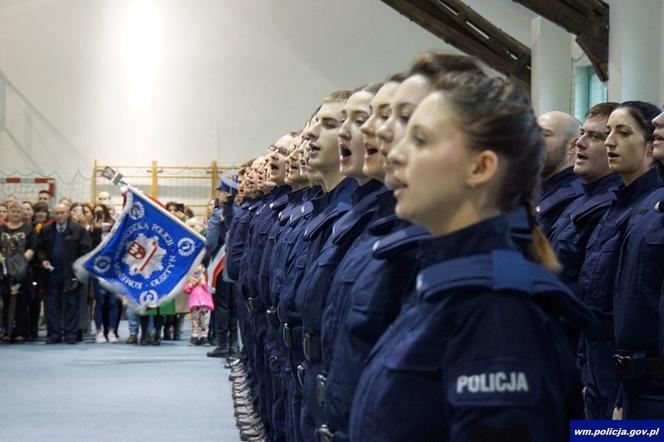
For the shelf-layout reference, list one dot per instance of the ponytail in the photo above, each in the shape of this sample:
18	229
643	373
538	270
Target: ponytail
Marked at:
540	250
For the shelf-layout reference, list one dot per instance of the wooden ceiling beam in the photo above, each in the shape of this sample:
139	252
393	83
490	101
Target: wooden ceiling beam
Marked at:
462	27
587	19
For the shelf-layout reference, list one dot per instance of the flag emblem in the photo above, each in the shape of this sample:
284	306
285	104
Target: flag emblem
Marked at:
147	255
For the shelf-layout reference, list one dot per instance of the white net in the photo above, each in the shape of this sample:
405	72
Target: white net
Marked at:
25	187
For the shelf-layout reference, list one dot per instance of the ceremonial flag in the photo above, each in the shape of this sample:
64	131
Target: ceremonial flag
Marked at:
147	256
215	267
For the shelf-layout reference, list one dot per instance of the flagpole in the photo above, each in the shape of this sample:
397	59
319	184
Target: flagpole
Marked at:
118	179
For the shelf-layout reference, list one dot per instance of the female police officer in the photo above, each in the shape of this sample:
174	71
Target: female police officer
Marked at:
638	287
481	353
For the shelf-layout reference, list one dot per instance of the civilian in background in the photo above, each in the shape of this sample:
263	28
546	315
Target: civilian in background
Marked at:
61	244
18	243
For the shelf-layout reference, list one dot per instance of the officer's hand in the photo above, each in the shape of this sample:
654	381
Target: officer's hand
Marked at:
46	264
617	414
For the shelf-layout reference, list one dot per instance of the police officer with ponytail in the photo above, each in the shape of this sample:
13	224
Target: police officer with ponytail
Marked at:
639	331
482	350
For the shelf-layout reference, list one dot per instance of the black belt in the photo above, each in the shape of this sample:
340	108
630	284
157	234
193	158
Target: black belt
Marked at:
636	365
272	318
312	347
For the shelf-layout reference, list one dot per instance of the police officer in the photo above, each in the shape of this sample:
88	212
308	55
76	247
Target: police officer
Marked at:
215	237
452	348
628	155
640	271
560	185
570	233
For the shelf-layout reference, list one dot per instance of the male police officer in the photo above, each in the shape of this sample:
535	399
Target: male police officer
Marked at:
226	331
559	186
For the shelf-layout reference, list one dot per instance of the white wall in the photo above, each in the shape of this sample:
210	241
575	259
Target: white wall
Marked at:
189	81
184	81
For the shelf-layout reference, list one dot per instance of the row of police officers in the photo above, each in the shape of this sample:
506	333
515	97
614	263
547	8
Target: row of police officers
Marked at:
395	261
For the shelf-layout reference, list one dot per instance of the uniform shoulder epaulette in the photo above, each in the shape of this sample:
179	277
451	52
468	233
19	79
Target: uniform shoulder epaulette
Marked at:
399	241
324	219
507	271
383	225
592	207
356	218
501	270
300	212
279	203
560	196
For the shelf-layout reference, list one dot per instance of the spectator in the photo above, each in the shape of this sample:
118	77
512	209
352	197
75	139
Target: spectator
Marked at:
18	243
42	216
28	212
3	213
61	244
44	196
200	305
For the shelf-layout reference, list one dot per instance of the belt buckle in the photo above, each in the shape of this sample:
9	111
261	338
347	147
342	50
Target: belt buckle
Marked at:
324	434
300	374
279	315
623	366
306	342
320	388
286	334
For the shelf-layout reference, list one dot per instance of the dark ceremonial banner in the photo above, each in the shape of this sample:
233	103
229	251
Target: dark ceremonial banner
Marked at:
604	430
147	256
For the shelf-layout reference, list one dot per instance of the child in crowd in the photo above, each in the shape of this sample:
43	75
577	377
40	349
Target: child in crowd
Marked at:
200	306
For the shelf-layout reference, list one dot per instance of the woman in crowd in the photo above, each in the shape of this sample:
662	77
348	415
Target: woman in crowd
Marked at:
42	216
639	276
18	242
107	306
451	349
28	212
3	213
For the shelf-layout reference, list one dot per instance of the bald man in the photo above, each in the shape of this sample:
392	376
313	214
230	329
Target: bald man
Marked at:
560	186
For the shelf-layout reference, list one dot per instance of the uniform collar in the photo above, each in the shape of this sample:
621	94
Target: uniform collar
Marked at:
480	238
602	185
558	180
366	189
640	187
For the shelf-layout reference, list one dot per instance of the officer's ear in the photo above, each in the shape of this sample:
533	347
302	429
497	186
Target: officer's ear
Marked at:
484	167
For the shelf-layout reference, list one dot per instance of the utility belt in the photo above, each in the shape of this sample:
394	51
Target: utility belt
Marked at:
324	434
312	347
272	317
638	366
255	305
321	381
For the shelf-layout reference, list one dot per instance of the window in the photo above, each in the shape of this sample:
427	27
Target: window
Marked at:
587	91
